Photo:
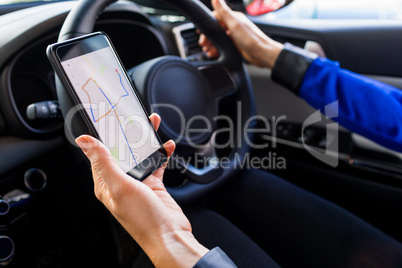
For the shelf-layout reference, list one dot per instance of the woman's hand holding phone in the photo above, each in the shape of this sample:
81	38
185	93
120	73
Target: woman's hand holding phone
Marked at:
93	75
145	209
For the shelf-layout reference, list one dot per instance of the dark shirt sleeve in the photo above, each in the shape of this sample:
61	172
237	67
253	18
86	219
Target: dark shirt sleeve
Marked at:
215	258
365	106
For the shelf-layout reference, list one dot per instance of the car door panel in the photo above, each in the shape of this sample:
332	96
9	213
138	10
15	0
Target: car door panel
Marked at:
371	48
362	46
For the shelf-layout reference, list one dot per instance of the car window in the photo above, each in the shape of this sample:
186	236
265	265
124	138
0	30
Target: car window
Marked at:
341	9
11	2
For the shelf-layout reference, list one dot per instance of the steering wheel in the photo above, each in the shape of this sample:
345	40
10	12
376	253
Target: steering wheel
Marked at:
193	88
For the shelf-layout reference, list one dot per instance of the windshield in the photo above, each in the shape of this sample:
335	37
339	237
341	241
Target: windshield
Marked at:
341	9
313	9
11	2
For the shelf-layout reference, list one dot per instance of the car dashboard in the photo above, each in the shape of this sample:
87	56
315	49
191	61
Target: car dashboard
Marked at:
49	216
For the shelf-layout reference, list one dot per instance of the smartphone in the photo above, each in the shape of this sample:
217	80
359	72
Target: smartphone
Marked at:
92	73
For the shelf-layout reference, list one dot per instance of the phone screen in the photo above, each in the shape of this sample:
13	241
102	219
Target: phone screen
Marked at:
110	103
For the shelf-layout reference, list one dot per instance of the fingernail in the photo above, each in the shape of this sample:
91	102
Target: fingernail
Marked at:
83	144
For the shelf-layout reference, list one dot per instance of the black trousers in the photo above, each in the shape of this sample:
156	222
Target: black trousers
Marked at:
260	220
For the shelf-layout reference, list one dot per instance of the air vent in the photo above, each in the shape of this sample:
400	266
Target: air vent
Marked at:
187	40
190	40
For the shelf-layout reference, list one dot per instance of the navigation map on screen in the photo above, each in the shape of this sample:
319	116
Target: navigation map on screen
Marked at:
112	107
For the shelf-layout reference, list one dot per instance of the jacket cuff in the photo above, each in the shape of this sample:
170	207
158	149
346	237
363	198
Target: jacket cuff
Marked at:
215	258
291	66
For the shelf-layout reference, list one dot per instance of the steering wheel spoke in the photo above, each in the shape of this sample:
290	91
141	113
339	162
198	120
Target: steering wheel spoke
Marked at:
220	79
205	166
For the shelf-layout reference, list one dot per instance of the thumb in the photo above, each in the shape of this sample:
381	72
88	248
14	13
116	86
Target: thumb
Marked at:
223	12
102	161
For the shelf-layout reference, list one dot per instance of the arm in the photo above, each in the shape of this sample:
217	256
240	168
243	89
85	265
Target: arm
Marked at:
147	211
215	258
366	106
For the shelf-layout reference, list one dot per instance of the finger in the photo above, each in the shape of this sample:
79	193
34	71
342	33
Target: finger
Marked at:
215	14
169	146
203	40
158	174
155	120
223	13
101	160
208	47
211	51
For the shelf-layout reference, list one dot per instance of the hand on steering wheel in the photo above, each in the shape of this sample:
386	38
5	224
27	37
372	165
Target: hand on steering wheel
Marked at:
252	43
146	210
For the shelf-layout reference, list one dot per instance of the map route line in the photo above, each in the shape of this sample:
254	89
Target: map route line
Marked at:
121	82
111	109
89	98
90	65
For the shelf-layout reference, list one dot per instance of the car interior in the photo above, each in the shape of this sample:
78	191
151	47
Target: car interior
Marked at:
49	215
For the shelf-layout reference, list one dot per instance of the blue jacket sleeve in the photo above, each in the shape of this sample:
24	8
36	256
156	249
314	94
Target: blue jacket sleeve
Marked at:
215	258
366	106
